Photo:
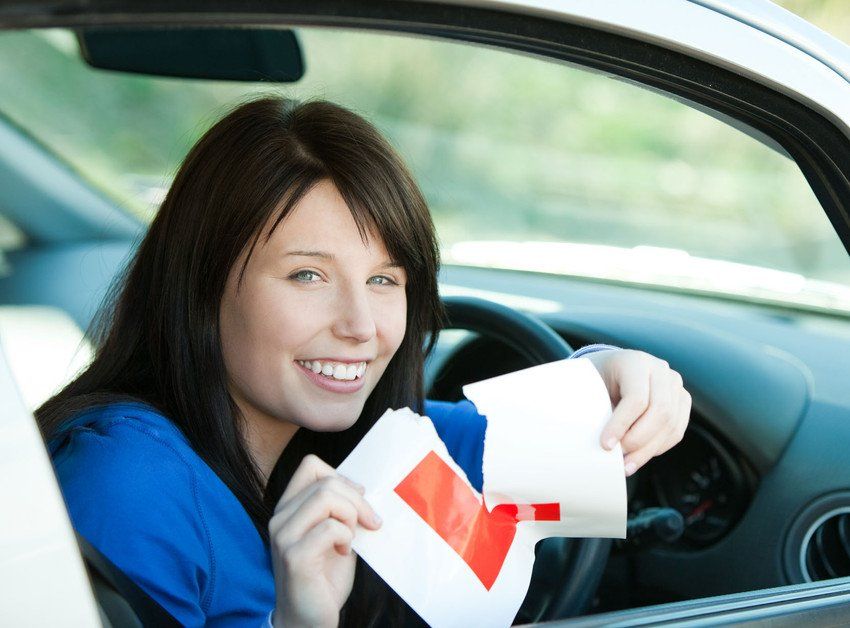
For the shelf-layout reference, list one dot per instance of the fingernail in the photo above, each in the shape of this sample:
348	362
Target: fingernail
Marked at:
376	519
610	443
631	467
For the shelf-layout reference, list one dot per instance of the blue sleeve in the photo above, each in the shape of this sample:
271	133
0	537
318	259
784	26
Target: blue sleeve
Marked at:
133	497
462	429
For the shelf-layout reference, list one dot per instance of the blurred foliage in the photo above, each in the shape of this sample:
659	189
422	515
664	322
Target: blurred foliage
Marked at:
832	16
505	146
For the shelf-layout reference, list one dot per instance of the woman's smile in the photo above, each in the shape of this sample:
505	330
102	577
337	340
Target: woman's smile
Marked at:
338	369
336	377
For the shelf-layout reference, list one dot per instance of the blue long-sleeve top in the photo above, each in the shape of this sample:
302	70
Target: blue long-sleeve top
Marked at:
138	492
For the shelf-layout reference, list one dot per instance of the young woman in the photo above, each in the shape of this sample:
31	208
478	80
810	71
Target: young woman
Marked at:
277	306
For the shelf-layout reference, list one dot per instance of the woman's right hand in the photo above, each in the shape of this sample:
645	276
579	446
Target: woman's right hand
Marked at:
310	534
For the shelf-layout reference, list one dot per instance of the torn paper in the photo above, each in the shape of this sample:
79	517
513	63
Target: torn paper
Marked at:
542	444
454	560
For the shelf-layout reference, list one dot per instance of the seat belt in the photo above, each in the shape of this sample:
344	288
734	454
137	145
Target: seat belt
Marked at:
147	611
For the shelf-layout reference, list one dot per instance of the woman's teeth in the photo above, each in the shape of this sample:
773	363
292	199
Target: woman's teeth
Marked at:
335	370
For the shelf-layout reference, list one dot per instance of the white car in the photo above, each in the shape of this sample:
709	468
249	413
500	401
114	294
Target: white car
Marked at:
671	176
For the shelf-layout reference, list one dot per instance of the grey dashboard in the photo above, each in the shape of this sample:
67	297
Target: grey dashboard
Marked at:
769	431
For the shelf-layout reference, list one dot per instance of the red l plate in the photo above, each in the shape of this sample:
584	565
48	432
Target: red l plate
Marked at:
482	539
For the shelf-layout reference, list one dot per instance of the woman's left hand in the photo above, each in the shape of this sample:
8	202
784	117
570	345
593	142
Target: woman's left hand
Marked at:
651	407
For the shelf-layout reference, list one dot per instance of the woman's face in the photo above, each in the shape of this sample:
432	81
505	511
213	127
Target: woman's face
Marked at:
316	320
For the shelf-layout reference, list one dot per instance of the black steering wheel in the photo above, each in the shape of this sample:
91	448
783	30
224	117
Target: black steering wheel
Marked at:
566	571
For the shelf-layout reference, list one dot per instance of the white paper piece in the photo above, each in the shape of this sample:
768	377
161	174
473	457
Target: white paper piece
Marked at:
543	445
408	553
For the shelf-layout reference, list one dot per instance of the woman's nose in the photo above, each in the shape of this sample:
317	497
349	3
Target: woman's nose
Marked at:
355	319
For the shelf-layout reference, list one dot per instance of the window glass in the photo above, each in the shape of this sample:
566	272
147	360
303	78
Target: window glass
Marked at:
526	163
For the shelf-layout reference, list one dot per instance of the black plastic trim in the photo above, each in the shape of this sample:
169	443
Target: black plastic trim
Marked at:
142	609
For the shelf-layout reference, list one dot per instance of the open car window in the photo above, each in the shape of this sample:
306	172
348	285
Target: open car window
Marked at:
527	164
554	170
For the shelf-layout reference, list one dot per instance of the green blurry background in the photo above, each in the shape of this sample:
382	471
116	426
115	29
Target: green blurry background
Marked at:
506	147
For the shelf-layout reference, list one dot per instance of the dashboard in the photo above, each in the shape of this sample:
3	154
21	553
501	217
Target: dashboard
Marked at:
705	479
765	446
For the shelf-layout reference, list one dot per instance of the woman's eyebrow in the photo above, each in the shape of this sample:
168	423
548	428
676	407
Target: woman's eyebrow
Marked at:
322	254
331	257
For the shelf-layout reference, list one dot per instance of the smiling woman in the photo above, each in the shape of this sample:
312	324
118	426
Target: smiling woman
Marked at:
291	233
278	305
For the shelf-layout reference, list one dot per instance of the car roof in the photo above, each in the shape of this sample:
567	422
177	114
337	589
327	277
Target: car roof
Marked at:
787	26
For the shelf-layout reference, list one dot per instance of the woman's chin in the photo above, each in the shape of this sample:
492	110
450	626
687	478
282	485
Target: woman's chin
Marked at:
331	422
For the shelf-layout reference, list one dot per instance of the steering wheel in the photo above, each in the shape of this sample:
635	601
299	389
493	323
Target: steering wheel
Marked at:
566	571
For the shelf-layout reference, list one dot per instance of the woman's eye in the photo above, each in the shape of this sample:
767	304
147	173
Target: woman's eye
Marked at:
304	276
382	280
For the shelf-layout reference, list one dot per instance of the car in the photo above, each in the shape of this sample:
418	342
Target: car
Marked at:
671	177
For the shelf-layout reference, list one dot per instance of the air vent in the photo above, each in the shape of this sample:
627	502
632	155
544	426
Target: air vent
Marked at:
825	551
817	544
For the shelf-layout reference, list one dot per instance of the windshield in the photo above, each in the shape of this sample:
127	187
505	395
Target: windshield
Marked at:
527	164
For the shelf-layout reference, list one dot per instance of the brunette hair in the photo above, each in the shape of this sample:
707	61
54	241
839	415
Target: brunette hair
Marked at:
158	339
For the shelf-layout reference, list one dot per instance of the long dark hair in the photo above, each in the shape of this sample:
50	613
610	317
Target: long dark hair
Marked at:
157	339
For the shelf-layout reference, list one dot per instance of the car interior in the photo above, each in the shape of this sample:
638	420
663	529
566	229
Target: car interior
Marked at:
607	207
